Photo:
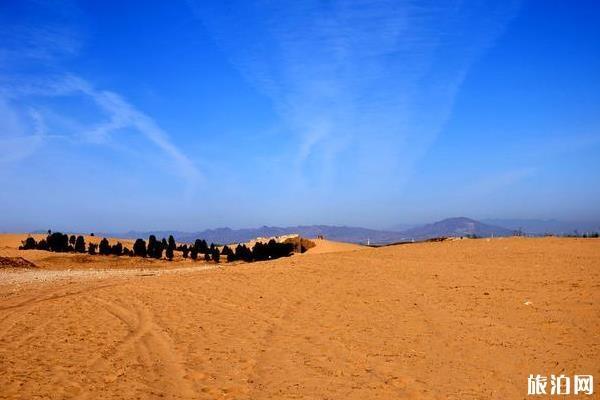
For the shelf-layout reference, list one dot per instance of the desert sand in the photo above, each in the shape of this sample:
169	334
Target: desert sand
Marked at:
327	246
468	319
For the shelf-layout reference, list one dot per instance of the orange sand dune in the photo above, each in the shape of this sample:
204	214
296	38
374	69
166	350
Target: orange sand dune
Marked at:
328	246
464	319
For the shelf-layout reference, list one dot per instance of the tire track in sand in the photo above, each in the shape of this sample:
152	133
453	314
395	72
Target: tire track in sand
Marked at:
13	314
146	351
52	295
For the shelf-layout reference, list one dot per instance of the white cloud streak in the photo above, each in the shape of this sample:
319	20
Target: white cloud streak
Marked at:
123	115
22	129
120	114
16	140
365	85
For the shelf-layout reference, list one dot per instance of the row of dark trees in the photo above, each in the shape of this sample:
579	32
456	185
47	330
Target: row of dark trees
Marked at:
155	248
57	242
62	243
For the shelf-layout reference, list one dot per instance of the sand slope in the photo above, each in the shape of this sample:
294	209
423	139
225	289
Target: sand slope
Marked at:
328	246
423	321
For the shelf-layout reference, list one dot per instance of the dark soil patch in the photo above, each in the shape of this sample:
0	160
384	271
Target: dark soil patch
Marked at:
15	262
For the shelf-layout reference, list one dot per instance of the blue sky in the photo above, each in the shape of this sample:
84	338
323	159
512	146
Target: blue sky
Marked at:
196	114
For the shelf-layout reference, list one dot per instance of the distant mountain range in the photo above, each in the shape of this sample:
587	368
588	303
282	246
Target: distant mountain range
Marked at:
448	227
460	226
227	235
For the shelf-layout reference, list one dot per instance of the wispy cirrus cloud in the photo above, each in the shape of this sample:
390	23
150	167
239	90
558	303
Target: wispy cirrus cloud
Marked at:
32	77
121	115
23	132
17	140
363	86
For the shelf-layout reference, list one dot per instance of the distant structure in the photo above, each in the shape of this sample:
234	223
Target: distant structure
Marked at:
278	239
300	244
320	236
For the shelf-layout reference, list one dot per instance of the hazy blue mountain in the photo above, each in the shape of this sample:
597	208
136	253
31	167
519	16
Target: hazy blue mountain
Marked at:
459	226
228	235
448	227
